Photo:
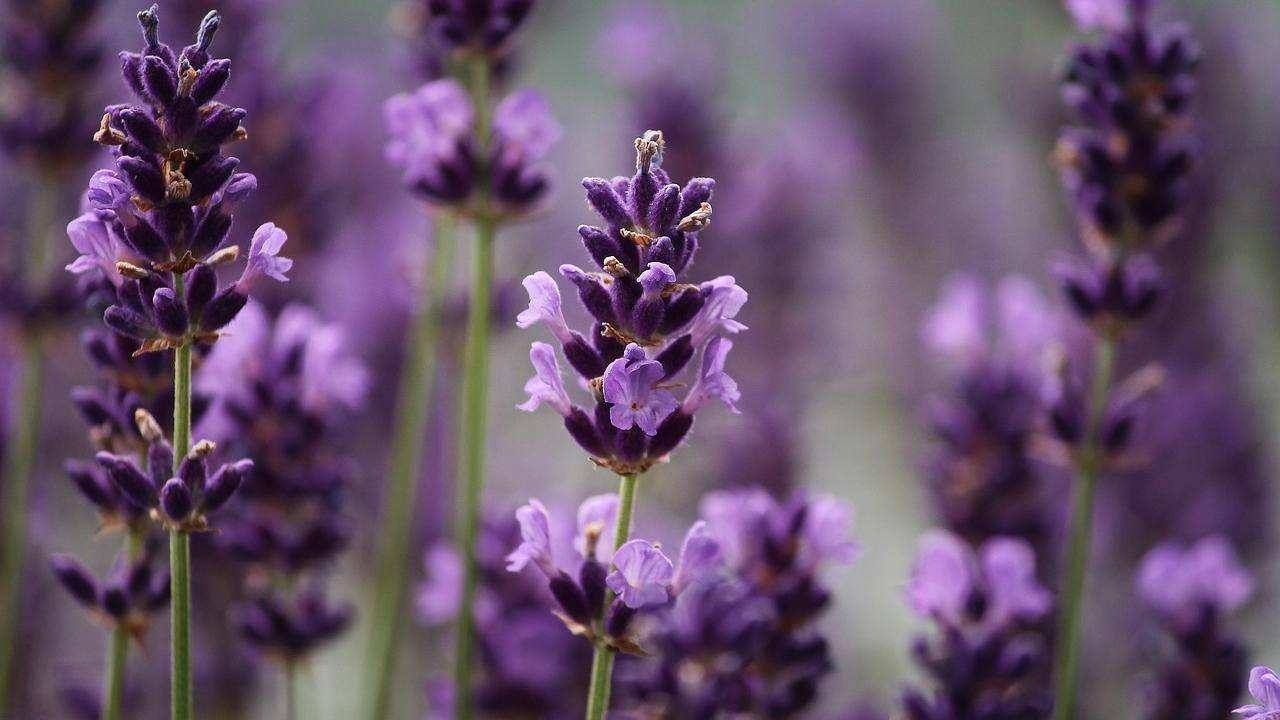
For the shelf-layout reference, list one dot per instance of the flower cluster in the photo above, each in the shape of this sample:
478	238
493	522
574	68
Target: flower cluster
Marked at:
128	596
741	641
479	26
639	574
279	391
983	473
648	324
1127	162
50	60
181	500
1192	591
530	665
158	225
989	659
433	139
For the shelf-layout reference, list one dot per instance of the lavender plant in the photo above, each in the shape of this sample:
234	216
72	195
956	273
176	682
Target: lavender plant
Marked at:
1191	592
168	209
1125	166
647	328
279	391
49	57
989	656
466	158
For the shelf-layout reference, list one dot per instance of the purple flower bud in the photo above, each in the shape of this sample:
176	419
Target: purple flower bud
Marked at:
193	471
642	575
75	579
618	621
160	462
223	484
202	284
129	479
145	177
171	315
176	500
264	259
114	601
210	81
92	485
128	322
1179	582
159	80
570	598
222	309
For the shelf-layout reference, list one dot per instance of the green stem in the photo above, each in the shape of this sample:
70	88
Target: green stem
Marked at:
19	462
416	391
118	647
179	541
1089	465
474	394
602	660
291	690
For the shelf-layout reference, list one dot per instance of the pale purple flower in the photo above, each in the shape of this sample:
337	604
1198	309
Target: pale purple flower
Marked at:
599	513
547	385
535	535
827	531
724	299
438	597
1009	569
956	327
642	575
330	374
1180	582
630	386
700	557
425	124
523	122
99	247
1111	15
942	577
1264	686
713	382
544	306
733	515
110	192
264	258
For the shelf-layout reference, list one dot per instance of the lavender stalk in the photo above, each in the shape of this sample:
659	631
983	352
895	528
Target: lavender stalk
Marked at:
602	658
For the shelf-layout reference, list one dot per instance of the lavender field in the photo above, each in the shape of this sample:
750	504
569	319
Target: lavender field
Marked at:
631	359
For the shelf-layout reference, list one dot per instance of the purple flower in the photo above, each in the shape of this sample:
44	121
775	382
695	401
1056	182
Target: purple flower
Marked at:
439	596
713	382
524	124
264	258
630	386
546	386
544	306
1009	569
535	535
597	514
700	557
425	128
827	531
1180	582
642	576
99	246
942	578
1110	15
1264	686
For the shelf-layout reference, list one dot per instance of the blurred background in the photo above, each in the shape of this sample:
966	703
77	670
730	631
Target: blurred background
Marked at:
866	152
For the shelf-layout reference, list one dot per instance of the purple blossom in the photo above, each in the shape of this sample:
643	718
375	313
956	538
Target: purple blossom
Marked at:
713	382
630	387
1180	582
1110	15
264	258
596	514
643	575
1264	686
700	557
544	306
99	246
535	544
942	578
828	531
1009	567
546	386
439	596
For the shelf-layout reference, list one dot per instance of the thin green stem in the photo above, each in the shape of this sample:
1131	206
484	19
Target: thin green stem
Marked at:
1089	465
602	660
290	691
475	391
408	446
19	463
118	646
180	541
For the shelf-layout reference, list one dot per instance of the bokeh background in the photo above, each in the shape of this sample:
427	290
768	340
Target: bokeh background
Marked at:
867	151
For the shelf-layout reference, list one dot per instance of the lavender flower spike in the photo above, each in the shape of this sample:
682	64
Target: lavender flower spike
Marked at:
643	575
1264	686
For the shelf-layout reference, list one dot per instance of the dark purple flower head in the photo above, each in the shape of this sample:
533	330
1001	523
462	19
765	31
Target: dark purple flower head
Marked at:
475	26
291	629
989	657
648	323
128	596
433	141
159	223
1193	591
